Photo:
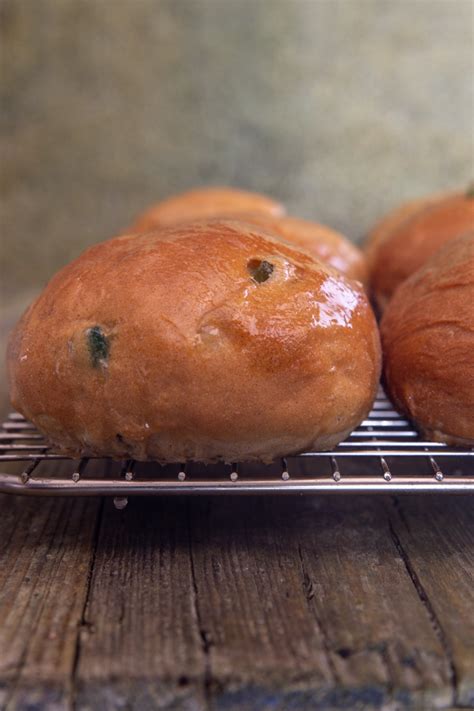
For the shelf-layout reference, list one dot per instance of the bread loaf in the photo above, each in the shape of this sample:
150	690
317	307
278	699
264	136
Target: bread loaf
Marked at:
320	241
408	237
428	344
202	203
227	203
206	341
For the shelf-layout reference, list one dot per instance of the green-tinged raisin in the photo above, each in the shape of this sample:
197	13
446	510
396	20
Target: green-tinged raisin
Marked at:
470	191
99	346
260	270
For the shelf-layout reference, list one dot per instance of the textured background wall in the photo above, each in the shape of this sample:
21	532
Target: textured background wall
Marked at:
338	107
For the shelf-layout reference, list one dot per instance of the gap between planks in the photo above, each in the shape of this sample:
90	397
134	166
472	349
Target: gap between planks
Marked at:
434	537
83	623
210	680
425	601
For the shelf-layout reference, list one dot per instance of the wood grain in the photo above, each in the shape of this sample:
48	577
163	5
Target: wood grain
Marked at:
237	603
311	597
46	549
435	537
369	609
141	648
264	648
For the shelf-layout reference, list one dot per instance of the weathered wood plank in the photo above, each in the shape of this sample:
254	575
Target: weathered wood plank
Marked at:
264	648
141	648
307	602
251	603
46	552
371	614
435	536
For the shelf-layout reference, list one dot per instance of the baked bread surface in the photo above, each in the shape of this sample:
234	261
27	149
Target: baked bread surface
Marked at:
208	341
393	219
201	203
320	241
228	203
428	344
402	242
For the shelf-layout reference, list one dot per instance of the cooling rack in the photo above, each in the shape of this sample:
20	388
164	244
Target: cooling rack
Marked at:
385	454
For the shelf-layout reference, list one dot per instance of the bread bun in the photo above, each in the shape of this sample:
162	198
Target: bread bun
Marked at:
202	203
409	236
319	241
207	341
227	203
428	344
392	221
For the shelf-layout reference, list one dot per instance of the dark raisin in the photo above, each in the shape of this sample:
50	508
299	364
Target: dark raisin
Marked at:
260	270
470	191
344	652
99	346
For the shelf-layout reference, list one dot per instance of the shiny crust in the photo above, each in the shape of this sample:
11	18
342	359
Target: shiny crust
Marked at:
410	235
203	203
319	241
394	219
428	344
199	360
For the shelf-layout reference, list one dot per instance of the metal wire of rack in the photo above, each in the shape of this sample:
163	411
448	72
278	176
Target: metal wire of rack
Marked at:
385	454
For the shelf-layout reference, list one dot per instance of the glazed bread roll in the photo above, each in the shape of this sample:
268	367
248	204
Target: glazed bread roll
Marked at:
428	344
203	203
392	221
409	236
207	341
319	241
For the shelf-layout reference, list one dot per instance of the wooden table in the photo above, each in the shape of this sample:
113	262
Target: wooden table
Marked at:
251	603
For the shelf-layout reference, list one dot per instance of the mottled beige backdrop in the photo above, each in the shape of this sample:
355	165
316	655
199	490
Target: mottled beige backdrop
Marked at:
340	108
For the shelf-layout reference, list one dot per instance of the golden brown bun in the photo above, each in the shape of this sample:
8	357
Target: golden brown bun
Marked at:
319	241
206	341
428	344
392	220
203	203
409	236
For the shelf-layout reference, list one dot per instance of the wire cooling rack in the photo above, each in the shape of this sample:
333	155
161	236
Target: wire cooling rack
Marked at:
383	455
